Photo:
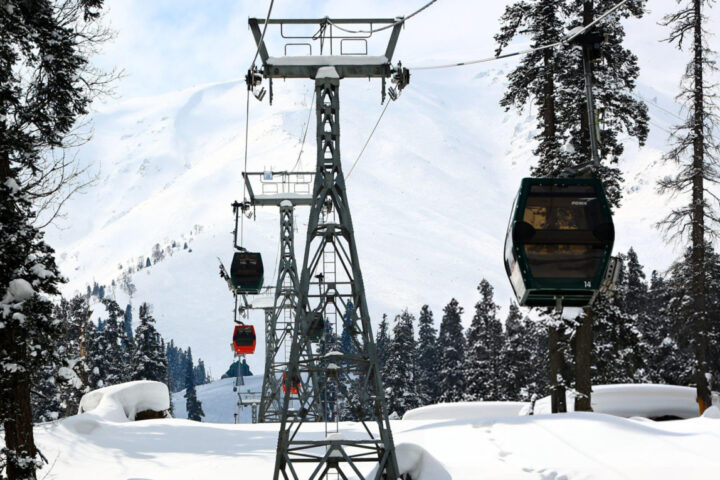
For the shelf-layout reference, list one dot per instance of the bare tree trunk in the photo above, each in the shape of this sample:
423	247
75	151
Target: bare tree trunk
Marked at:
19	424
583	334
698	222
583	356
557	385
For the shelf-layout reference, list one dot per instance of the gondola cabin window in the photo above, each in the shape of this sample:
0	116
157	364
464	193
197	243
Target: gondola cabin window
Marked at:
563	219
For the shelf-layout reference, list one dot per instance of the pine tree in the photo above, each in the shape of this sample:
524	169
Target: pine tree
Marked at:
110	357
201	376
667	361
614	80
536	76
451	345
192	404
483	368
400	369
427	358
524	359
695	153
27	326
128	323
382	343
148	361
78	342
327	389
618	349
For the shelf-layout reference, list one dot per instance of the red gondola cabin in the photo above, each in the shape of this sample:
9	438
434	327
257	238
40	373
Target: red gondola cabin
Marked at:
244	339
294	388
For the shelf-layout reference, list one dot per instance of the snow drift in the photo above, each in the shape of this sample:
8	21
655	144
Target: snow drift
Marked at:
121	403
635	400
465	410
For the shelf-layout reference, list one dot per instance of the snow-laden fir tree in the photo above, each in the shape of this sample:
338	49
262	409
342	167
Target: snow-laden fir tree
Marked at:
192	404
78	343
695	153
534	79
667	361
382	344
451	347
110	355
148	361
327	388
619	353
427	358
674	359
400	369
524	357
127	322
483	369
201	376
28	329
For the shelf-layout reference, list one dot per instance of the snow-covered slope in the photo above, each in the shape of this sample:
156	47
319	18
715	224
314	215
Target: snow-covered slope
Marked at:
570	446
220	401
429	197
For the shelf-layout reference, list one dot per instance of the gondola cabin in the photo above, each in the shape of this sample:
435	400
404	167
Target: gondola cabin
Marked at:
293	388
316	329
246	272
559	241
244	339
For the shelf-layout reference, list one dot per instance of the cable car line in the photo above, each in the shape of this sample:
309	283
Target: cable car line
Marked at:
262	36
640	97
307	125
573	34
390	25
367	141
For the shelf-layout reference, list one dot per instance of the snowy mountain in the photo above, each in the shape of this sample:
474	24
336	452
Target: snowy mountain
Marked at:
429	197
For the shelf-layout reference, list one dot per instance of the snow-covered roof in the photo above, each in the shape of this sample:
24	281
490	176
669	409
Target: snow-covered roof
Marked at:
329	60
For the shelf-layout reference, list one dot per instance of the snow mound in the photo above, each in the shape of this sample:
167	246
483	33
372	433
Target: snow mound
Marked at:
120	403
418	463
712	412
465	410
634	400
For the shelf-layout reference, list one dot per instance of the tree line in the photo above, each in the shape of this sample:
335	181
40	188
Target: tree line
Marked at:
95	355
641	334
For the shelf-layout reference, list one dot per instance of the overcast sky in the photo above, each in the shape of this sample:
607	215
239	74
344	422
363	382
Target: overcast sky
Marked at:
167	45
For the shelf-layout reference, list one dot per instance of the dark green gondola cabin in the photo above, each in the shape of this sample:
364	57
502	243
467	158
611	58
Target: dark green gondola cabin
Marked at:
559	241
246	272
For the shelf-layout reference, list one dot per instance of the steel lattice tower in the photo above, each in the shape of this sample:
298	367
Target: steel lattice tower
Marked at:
347	380
279	326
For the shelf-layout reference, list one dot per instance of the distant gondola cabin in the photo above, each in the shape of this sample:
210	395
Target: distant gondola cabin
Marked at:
293	387
244	339
246	272
559	241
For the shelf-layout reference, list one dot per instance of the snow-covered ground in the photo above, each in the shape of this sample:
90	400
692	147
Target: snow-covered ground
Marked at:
569	446
448	442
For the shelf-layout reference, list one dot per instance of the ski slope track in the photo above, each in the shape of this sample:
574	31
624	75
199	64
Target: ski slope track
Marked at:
429	198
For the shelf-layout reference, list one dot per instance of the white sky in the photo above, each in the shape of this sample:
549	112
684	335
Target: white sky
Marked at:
167	45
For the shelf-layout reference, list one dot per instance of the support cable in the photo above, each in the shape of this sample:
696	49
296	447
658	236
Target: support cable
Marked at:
262	36
367	141
574	33
307	125
643	99
247	129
